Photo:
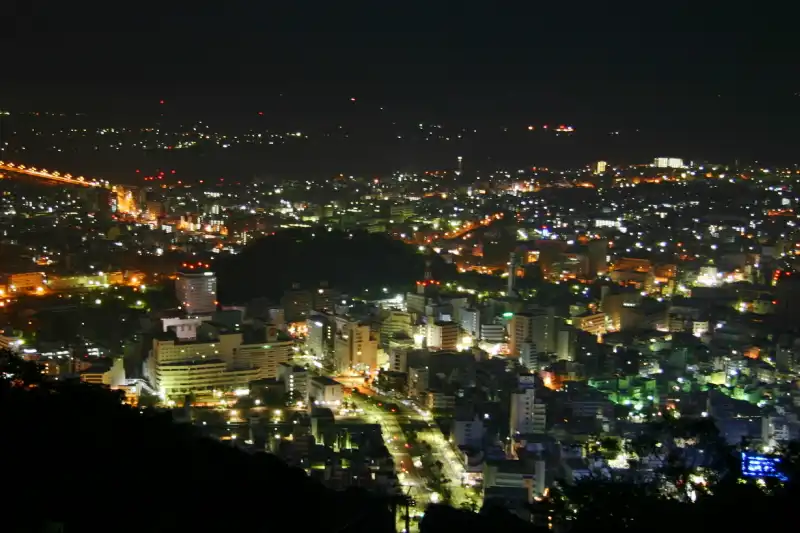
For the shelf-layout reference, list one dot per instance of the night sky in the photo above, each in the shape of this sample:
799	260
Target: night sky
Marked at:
717	74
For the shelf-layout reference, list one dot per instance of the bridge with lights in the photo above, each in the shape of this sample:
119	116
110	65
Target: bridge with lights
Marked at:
125	203
52	176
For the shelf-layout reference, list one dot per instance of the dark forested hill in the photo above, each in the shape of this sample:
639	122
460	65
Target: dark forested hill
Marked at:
348	261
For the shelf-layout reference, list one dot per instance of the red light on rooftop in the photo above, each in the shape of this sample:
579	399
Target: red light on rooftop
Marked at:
261	113
161	102
173	171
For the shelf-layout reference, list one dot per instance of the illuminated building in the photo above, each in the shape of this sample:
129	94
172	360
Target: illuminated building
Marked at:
439	402
125	202
185	329
527	415
196	289
592	323
526	478
320	335
26	282
537	326
395	324
668	162
600	167
11	340
265	357
355	347
186	377
471	321
295	379
402	212
528	356
220	361
566	343
109	373
442	335
325	391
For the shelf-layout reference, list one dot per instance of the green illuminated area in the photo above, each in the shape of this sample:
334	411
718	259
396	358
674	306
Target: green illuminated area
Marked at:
641	394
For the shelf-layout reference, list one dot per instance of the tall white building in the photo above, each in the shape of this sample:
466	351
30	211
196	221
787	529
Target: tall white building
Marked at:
537	326
319	340
528	356
196	289
470	320
527	415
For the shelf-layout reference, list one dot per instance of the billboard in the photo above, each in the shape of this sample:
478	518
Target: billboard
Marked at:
761	466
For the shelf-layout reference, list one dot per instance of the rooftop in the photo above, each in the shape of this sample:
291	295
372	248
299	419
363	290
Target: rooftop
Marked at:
325	380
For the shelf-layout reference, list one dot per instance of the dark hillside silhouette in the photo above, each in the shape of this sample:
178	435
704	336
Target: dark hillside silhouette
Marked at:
348	261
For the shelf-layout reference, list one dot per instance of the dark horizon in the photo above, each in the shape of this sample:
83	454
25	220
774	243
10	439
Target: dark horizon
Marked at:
698	82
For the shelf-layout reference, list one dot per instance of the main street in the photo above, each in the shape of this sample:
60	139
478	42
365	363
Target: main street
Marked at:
406	417
411	479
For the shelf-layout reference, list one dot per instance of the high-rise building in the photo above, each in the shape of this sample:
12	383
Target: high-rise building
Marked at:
320	335
196	289
295	379
442	335
527	414
356	347
528	356
537	326
471	321
566	343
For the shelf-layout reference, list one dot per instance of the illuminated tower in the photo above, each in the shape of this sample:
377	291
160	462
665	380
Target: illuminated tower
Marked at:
460	165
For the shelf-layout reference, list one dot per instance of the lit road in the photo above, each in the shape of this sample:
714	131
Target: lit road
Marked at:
460	232
410	477
442	451
470	226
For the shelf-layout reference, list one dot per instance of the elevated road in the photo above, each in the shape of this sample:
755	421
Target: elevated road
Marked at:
125	200
67	179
